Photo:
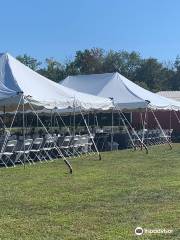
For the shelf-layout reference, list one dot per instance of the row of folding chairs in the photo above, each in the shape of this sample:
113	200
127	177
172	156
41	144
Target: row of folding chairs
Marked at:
44	149
152	137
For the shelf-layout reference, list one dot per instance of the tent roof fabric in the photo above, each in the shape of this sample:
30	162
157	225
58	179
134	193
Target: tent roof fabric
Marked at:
175	95
16	78
106	85
124	92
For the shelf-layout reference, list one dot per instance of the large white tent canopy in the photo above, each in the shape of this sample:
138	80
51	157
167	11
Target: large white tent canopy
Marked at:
16	80
125	93
108	85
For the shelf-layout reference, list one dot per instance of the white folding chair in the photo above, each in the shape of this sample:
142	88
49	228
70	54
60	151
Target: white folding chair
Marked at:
75	145
36	149
65	146
22	155
48	146
89	144
84	144
6	156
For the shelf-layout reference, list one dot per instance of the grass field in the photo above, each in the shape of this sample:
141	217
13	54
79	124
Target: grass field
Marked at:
104	200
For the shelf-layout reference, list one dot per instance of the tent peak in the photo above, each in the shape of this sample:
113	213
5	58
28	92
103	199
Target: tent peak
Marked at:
124	91
5	54
17	78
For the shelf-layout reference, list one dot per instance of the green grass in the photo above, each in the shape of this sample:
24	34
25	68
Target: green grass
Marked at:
104	200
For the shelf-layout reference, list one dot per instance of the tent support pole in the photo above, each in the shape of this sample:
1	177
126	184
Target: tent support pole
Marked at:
112	132
144	126
170	123
135	133
63	157
68	128
24	156
8	134
37	121
9	131
74	119
4	114
176	116
90	135
94	123
51	122
88	117
74	122
131	117
159	125
130	137
3	124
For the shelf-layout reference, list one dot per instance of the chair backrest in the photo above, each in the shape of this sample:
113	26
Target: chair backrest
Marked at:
75	140
27	144
60	140
50	142
37	143
84	140
10	146
66	141
67	138
90	137
12	137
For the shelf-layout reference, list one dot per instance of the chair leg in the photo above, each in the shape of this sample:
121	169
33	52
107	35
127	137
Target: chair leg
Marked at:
18	158
10	160
3	162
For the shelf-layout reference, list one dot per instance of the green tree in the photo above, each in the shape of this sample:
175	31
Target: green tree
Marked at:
89	61
54	70
29	61
175	79
122	62
148	73
71	68
151	73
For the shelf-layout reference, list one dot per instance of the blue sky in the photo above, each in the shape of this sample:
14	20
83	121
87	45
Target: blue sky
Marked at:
57	28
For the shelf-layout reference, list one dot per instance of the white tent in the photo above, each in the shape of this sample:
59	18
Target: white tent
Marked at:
108	85
124	92
16	80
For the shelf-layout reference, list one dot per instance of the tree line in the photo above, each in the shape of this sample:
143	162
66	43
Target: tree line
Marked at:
149	73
